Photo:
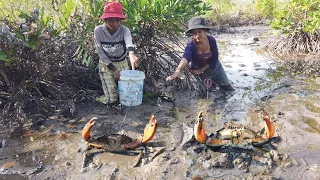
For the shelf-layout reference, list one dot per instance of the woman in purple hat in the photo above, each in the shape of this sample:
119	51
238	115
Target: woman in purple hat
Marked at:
113	41
201	53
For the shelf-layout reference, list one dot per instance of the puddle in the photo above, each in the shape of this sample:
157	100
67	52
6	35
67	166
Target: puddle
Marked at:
114	159
12	177
19	162
244	75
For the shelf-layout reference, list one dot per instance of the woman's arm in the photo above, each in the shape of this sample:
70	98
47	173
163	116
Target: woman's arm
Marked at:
183	63
186	58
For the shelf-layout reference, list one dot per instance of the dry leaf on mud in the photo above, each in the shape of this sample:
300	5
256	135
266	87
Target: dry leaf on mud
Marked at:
71	126
28	132
63	136
8	165
36	134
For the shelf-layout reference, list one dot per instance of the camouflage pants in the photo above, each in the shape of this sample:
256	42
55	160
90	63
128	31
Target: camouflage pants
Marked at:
109	84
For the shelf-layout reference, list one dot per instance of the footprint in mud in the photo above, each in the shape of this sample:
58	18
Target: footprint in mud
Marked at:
219	103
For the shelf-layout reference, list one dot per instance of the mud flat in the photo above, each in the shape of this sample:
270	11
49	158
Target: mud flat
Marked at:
54	148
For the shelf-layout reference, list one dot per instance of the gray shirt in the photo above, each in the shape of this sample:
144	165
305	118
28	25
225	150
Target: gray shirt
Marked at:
112	48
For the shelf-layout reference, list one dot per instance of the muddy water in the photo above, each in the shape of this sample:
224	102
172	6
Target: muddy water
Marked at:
57	152
245	72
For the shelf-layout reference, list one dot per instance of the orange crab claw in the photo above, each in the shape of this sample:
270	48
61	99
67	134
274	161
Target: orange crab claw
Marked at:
269	130
269	126
149	132
150	129
199	131
86	129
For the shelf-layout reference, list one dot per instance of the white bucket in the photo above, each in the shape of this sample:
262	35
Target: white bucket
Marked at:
130	87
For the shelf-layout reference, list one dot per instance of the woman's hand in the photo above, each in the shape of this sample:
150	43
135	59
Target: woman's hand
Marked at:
133	60
183	63
116	74
176	74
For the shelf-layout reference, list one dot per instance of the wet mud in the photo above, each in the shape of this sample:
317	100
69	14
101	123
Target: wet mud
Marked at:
54	149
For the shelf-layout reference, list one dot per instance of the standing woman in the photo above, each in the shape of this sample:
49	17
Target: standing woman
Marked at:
113	41
202	54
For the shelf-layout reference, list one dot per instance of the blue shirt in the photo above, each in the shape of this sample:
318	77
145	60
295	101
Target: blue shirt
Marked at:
190	54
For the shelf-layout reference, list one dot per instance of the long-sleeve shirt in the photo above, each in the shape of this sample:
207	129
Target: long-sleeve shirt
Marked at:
112	48
190	54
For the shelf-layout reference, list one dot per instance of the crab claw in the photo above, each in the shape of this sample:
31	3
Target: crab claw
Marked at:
150	129
149	132
199	131
269	126
86	129
269	130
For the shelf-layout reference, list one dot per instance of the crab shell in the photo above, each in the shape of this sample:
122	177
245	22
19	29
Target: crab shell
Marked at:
234	136
107	141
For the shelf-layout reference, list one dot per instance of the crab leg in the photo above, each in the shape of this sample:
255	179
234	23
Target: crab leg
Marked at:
217	142
98	145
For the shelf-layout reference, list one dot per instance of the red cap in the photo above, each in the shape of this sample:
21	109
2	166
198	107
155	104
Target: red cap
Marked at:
112	10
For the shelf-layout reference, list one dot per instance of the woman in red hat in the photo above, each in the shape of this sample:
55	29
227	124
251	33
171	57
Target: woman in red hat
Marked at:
113	41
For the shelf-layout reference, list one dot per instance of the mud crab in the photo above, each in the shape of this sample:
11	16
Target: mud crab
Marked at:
234	136
118	142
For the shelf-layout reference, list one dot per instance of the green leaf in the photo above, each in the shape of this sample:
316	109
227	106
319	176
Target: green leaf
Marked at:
4	57
45	20
24	15
33	41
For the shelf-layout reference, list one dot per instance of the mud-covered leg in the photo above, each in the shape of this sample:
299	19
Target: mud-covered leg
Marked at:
85	160
87	156
138	159
143	151
94	145
134	144
88	147
259	150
